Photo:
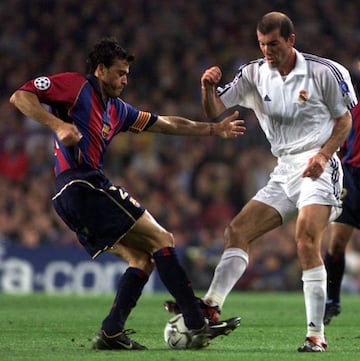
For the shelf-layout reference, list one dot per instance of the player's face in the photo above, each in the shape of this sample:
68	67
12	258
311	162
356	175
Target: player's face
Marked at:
114	78
275	48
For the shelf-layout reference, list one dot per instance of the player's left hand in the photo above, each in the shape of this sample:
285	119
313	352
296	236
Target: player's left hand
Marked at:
230	127
316	166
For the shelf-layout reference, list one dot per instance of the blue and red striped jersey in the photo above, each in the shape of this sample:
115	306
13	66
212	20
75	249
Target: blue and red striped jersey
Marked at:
77	99
351	149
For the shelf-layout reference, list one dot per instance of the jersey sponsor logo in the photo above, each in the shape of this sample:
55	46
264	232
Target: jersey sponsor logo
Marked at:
42	83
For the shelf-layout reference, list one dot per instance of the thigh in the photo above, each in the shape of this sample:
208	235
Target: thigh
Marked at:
325	190
254	220
148	235
313	219
275	196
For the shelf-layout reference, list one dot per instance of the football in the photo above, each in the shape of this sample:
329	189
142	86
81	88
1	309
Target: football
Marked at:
176	333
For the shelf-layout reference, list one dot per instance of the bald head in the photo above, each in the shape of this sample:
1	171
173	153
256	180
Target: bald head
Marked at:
276	20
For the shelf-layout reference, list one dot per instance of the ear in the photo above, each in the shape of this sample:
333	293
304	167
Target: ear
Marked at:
292	38
100	69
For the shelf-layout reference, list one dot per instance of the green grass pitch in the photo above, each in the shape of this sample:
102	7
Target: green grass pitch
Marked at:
42	327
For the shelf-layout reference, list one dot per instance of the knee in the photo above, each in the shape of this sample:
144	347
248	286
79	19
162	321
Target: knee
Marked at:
145	264
304	247
307	250
163	239
167	239
231	237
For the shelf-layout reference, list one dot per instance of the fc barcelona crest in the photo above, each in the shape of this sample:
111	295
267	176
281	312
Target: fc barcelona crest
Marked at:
106	129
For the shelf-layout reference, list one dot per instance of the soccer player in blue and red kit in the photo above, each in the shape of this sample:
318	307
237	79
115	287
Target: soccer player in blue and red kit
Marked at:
342	228
85	114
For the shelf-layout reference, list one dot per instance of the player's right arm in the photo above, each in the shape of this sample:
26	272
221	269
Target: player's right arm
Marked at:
28	103
211	103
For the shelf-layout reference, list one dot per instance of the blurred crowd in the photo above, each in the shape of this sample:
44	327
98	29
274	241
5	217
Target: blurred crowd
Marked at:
193	186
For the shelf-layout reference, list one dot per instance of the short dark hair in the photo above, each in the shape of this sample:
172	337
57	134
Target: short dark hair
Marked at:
106	51
276	20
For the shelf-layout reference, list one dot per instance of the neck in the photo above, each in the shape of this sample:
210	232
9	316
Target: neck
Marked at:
290	63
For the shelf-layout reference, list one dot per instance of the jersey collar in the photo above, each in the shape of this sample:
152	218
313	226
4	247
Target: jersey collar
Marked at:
300	65
299	69
94	82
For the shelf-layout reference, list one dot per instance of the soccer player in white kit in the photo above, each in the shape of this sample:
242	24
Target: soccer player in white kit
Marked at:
302	102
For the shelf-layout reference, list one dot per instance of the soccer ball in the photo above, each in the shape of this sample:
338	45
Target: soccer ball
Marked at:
176	334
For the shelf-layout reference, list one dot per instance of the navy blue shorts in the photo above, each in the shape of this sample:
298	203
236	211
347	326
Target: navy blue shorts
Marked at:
351	202
99	212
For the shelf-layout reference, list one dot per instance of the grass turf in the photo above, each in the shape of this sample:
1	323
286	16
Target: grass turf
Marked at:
42	327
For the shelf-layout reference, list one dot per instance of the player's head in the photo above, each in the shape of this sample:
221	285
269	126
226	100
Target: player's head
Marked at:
276	20
276	37
110	63
105	52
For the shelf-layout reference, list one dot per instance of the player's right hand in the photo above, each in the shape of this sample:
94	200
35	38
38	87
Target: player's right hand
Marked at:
68	134
211	77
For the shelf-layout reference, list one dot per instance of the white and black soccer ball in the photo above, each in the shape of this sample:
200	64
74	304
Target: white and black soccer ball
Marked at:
176	334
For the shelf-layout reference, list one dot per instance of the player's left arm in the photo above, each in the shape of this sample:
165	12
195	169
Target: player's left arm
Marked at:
339	95
338	136
317	163
229	127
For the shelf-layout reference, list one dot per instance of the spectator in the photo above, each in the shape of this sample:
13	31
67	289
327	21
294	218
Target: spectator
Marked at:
14	161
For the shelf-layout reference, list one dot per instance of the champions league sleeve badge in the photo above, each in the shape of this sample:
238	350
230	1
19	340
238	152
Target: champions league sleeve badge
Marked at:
349	101
344	87
42	83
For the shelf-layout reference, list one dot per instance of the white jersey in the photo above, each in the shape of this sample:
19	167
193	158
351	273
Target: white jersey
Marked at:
296	112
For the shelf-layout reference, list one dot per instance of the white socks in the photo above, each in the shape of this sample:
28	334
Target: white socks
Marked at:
233	264
315	297
231	267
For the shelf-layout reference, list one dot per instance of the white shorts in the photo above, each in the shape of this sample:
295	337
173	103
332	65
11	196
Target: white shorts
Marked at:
287	190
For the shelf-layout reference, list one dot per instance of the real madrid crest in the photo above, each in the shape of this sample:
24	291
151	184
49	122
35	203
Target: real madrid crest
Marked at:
303	96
